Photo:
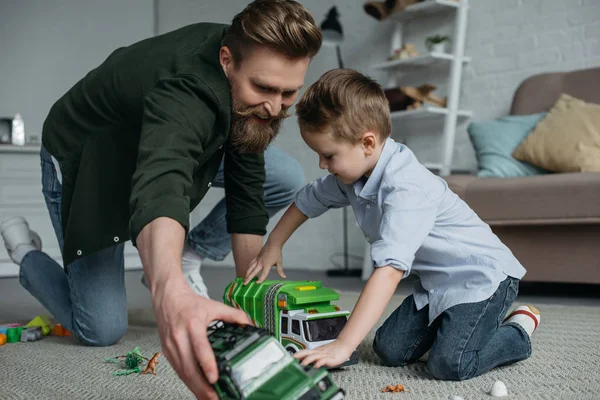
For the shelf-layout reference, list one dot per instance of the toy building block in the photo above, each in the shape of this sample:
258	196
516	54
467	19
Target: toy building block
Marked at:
13	335
2	339
4	327
31	334
58	330
41	321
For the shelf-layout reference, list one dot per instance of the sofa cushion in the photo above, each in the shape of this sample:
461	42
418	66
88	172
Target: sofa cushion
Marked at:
551	198
495	140
567	140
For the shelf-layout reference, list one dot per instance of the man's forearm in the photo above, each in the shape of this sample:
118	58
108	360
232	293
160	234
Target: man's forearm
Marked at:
160	244
245	248
370	306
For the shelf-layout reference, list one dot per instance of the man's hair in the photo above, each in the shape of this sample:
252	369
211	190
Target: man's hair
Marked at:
347	104
284	26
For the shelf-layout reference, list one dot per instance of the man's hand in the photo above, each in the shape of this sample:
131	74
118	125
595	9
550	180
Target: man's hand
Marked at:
182	318
269	256
331	355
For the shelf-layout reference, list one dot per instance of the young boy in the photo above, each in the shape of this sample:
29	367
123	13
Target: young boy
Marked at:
467	280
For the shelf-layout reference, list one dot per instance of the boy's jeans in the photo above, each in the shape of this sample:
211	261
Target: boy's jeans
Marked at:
466	340
90	300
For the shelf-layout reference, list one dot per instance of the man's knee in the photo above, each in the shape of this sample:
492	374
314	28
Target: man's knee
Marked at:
101	330
391	351
283	181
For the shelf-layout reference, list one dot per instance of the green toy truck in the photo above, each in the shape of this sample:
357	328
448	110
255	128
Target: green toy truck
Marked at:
254	366
298	313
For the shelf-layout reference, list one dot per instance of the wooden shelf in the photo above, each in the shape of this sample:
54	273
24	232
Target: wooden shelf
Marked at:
27	148
425	113
419	61
426	8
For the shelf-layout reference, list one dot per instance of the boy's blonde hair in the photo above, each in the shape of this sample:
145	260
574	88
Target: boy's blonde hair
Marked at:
284	26
347	103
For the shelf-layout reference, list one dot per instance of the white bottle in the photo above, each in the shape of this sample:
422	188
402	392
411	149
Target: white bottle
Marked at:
18	131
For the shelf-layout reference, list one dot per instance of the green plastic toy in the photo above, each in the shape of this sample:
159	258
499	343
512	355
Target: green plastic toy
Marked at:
254	366
132	362
300	314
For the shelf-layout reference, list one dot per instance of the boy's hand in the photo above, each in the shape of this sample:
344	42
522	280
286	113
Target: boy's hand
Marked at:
269	256
331	355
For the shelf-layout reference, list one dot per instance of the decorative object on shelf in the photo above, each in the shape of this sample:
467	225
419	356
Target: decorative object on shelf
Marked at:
12	130
437	43
407	51
333	35
412	98
380	10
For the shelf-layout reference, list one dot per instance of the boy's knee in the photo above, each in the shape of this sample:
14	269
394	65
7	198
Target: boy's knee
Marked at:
447	367
389	350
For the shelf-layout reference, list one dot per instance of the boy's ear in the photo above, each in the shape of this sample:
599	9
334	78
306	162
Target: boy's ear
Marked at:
369	143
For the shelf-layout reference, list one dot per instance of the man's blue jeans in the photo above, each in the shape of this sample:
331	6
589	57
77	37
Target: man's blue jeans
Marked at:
88	296
466	340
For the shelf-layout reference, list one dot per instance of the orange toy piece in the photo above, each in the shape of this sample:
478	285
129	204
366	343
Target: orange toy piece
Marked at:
152	363
2	339
58	330
394	388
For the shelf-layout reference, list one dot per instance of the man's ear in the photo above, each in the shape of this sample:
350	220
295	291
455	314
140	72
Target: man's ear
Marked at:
369	142
226	60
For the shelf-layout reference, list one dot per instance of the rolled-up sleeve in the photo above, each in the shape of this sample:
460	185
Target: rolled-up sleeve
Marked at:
177	112
321	195
408	216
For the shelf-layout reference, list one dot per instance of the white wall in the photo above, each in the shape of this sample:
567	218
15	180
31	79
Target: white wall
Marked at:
47	46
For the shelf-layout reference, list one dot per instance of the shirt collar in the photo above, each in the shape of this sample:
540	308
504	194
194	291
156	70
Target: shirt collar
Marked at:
368	189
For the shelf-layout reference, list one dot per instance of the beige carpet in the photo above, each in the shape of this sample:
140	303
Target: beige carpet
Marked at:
565	365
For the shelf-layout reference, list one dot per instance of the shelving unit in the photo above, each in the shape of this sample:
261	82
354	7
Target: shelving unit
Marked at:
448	118
396	69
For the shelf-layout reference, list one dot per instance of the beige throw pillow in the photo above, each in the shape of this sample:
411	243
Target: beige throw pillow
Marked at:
566	140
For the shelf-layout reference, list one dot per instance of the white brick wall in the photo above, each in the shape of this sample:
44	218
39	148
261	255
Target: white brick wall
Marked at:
510	40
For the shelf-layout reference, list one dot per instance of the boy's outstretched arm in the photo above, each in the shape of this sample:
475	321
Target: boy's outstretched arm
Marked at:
270	254
372	302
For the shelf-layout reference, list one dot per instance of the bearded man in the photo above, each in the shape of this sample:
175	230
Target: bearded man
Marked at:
132	148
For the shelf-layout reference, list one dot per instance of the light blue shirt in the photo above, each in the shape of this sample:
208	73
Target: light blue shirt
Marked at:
415	223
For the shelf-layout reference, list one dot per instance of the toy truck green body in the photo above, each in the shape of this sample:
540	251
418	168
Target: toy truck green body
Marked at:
300	314
254	366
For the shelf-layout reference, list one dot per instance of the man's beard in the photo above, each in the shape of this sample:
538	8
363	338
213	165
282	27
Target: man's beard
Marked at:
248	136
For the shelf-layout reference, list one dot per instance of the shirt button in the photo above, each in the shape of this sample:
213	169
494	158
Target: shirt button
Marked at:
368	206
79	252
209	184
373	197
431	291
116	239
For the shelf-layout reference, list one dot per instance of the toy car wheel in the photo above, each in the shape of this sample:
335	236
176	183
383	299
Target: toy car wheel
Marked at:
291	349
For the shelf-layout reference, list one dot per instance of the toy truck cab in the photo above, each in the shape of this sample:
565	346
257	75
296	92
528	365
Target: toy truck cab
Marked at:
254	366
300	329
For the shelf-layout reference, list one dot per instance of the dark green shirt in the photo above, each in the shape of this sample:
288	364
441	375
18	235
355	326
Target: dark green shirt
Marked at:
143	135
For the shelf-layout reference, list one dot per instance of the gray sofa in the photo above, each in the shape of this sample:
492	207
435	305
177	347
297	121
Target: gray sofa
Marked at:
550	222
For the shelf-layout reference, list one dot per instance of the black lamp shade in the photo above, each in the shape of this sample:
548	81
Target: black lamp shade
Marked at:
331	27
